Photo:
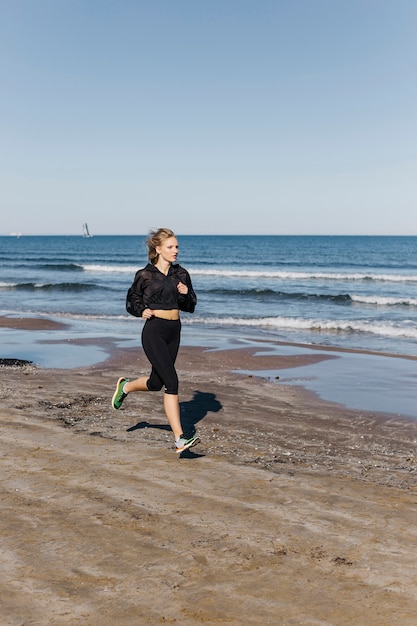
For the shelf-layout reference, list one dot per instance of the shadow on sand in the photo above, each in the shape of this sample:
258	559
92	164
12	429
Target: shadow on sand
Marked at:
191	413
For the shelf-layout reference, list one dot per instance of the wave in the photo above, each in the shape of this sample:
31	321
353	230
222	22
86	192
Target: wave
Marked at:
78	267
244	292
60	267
285	295
299	324
76	287
50	267
92	316
384	300
120	269
388	330
284	275
253	274
337	298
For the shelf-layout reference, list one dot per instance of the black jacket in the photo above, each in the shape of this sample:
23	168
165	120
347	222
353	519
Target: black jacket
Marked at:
151	289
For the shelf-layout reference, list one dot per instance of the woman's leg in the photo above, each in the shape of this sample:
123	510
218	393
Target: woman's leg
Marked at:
160	341
139	384
172	411
171	403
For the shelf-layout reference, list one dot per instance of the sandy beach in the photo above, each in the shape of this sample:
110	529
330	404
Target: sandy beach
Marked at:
292	510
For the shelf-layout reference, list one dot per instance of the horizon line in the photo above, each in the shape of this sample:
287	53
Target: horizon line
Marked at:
18	235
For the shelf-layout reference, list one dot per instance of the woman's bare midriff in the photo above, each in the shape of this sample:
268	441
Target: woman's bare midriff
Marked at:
171	314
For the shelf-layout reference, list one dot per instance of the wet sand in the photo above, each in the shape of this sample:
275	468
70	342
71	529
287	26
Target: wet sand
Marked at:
29	323
290	511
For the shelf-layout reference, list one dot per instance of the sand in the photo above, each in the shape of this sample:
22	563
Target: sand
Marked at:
290	511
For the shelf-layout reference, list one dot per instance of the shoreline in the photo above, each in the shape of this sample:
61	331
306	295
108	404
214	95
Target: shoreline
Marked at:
48	324
201	366
355	379
291	510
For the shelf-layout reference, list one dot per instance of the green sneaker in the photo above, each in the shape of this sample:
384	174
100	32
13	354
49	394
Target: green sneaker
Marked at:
119	395
183	444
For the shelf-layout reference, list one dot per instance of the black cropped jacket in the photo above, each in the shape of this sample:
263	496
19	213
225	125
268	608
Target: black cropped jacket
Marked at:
151	289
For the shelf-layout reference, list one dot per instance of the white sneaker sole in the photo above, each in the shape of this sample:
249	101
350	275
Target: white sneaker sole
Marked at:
192	443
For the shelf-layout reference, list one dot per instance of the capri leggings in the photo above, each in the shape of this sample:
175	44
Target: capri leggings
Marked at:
160	341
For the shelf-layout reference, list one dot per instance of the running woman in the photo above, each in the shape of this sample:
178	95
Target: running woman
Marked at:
160	291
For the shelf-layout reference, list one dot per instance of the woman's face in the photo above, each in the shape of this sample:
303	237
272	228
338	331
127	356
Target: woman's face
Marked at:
168	250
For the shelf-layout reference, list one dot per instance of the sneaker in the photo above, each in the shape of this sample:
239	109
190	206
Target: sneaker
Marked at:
183	444
119	395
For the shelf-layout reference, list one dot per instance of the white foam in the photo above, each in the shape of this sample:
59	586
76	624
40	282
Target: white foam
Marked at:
118	269
297	323
283	275
384	301
272	274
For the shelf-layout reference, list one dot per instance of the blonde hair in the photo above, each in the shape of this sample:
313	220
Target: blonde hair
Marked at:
155	239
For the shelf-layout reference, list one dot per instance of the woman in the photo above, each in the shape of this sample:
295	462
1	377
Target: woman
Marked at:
160	290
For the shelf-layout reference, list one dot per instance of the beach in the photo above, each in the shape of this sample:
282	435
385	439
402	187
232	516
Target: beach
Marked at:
291	510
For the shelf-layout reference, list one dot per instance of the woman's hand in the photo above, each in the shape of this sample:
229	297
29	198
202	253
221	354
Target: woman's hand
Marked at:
183	289
147	314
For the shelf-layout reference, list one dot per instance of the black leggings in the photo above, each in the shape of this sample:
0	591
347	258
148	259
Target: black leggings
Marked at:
160	341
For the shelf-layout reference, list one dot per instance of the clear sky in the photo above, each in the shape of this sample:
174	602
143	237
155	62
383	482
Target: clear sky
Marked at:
208	116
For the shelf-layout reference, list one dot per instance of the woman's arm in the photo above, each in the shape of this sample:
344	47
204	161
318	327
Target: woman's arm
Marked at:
187	298
134	299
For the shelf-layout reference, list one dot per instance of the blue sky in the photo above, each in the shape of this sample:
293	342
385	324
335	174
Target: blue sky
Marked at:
208	116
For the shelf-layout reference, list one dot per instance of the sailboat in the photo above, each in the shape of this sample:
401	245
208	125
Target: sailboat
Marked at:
86	232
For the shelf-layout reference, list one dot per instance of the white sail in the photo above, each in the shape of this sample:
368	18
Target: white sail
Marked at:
86	232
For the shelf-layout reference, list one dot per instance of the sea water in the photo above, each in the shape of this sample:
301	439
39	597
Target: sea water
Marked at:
357	293
350	292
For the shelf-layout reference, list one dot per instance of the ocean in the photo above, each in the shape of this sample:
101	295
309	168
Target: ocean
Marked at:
349	292
354	293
